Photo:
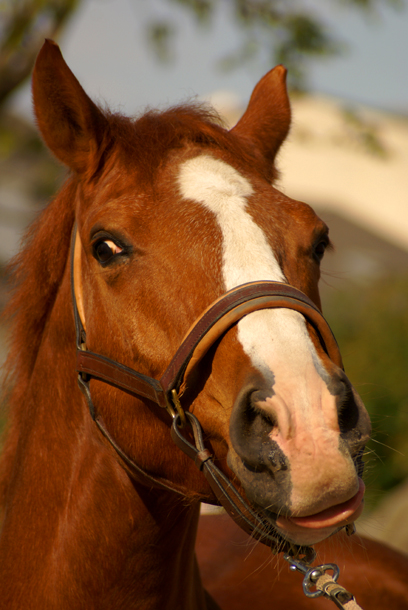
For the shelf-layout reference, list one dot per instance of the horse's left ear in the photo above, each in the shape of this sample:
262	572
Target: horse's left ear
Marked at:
72	126
266	121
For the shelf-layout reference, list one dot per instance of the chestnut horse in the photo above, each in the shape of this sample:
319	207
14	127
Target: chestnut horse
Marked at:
169	222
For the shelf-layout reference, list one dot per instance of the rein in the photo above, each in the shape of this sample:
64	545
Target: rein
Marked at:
166	391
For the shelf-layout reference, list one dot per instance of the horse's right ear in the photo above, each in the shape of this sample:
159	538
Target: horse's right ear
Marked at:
72	126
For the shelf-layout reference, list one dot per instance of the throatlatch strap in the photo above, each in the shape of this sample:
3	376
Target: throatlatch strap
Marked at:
120	376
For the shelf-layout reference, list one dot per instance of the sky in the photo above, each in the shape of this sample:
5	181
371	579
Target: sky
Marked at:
105	46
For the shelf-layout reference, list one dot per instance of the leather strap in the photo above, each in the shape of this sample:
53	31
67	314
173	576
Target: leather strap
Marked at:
133	469
120	376
230	308
220	316
226	494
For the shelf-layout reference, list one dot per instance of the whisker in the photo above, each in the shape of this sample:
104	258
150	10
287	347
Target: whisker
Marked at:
388	447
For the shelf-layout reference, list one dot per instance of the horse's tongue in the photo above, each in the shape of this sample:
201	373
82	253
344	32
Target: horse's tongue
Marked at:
335	515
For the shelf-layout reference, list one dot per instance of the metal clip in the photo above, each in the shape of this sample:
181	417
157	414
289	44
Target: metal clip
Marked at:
304	555
350	529
311	574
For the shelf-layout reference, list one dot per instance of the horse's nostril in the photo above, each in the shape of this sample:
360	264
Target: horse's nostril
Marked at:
250	431
254	412
253	468
348	412
254	421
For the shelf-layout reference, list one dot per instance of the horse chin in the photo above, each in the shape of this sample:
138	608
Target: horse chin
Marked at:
315	528
271	500
304	537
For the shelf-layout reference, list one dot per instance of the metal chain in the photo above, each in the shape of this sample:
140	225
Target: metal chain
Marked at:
315	577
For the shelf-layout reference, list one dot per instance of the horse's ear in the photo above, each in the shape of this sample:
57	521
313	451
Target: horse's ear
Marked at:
266	121
72	126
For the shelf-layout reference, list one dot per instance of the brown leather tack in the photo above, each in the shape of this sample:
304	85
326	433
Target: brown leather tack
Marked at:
201	458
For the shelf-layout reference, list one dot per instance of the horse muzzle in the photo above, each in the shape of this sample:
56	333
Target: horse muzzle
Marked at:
303	471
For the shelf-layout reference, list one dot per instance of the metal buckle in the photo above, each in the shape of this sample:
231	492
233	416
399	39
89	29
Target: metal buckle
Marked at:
172	403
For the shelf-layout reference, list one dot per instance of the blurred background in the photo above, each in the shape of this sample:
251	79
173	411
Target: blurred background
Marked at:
347	154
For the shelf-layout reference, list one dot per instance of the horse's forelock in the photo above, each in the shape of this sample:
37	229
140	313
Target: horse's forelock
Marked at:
147	141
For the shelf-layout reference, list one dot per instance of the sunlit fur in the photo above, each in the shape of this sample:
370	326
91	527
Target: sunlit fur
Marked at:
78	530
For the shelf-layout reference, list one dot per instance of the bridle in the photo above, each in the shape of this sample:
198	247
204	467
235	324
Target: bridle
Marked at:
164	392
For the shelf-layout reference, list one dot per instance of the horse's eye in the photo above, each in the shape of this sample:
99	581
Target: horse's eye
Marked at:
319	250
105	250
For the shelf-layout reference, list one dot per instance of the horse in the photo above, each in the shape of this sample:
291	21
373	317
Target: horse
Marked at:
168	349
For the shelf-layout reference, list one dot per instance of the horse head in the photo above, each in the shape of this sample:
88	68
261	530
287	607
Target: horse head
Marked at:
172	211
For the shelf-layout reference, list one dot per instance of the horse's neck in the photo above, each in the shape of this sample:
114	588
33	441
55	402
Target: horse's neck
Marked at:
80	533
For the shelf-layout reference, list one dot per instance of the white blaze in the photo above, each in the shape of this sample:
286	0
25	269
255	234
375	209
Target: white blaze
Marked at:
247	257
278	344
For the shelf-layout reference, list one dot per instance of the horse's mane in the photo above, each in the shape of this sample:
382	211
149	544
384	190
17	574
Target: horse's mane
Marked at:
35	276
36	272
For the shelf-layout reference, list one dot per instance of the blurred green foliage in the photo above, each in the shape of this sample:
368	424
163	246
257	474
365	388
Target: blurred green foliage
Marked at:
292	33
23	153
371	327
23	26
